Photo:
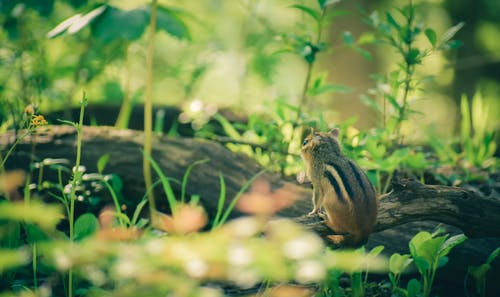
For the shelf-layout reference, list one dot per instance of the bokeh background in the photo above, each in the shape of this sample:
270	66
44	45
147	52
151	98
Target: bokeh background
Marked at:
213	54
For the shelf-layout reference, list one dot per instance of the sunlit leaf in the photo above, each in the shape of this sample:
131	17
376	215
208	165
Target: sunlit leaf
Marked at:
116	24
86	225
36	212
431	36
167	19
102	162
307	10
12	258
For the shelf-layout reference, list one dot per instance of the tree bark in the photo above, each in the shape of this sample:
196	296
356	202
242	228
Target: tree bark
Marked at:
471	211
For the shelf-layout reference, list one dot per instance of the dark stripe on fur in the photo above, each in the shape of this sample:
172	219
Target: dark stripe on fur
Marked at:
362	180
335	185
344	179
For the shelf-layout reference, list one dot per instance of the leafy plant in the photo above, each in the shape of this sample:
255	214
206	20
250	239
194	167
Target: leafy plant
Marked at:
476	139
401	32
478	275
429	252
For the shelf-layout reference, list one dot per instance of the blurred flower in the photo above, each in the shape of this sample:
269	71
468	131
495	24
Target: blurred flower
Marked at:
261	200
10	181
239	255
289	290
303	246
196	268
186	219
310	271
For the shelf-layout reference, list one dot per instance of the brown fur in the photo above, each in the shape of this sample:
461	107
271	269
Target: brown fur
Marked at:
341	188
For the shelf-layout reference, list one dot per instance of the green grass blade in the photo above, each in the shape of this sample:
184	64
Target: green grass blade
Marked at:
186	175
222	199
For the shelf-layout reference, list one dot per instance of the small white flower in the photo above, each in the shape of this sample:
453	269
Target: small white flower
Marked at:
196	268
239	255
303	246
309	271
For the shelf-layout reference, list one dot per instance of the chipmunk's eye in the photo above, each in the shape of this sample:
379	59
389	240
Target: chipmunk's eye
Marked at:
306	141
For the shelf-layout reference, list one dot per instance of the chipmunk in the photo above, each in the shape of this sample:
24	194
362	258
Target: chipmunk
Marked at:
341	188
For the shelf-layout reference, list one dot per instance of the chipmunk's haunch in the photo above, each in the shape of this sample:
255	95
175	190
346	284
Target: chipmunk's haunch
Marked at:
341	188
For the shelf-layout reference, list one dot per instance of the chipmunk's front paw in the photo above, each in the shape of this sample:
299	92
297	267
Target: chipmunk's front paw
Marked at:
313	212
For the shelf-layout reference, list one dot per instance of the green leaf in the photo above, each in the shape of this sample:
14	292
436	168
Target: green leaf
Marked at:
392	21
86	225
413	56
493	255
442	261
398	263
450	243
348	38
137	212
116	24
102	162
167	20
369	101
376	251
35	234
431	36
422	264
414	287
308	10
186	175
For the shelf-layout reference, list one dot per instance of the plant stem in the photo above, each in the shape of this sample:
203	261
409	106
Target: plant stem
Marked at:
4	159
76	179
310	65
148	111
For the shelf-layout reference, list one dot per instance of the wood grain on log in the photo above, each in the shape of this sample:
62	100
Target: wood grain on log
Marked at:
472	212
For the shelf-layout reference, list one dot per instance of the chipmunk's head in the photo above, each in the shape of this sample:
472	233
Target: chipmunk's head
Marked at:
320	144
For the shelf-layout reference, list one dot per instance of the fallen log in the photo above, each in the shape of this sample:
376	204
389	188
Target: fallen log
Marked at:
471	211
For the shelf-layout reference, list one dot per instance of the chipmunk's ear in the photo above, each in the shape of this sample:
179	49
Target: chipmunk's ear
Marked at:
334	133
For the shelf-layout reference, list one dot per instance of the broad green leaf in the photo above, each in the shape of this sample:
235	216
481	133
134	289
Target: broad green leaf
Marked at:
35	234
376	250
431	36
422	264
167	19
442	261
86	225
308	10
413	288
102	162
117	24
348	38
398	263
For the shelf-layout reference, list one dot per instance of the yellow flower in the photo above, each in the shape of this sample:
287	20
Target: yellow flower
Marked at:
38	120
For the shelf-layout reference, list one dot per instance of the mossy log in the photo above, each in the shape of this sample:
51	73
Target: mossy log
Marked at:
476	215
